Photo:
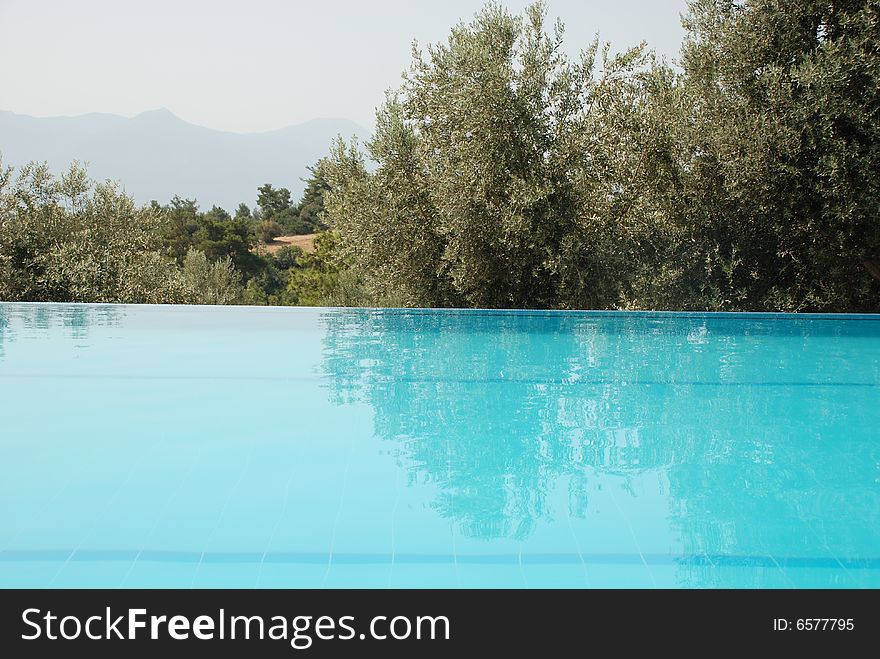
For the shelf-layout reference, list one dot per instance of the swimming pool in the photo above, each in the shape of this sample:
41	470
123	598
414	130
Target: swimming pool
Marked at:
147	446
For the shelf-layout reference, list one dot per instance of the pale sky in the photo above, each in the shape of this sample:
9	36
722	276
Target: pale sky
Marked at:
256	65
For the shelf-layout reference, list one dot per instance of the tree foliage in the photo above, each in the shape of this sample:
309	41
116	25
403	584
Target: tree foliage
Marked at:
782	118
509	175
497	174
299	218
269	230
68	240
322	278
310	209
215	232
210	283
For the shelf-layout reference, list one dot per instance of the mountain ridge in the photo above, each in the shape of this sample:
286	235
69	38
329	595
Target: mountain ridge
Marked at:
157	154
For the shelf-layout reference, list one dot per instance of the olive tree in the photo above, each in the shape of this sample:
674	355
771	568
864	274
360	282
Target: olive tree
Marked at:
497	162
67	239
205	282
779	183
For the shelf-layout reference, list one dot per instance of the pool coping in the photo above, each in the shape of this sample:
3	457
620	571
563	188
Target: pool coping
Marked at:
415	311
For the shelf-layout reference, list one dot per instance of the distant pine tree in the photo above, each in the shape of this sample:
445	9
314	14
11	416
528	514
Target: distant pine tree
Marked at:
310	210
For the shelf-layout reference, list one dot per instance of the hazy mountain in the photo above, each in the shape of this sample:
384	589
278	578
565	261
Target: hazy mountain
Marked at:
157	155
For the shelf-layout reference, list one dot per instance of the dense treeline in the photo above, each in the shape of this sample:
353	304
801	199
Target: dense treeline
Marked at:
69	239
510	176
503	173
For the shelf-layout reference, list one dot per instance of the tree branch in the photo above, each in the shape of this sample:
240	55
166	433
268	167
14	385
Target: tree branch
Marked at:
873	267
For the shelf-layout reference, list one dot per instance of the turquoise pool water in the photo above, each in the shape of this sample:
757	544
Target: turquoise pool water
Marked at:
270	447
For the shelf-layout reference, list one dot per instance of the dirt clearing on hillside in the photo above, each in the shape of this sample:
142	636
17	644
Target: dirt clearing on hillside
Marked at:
306	242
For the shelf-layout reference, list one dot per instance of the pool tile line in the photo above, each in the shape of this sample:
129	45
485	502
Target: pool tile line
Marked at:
275	528
171	498
587	382
329	556
512	559
229	496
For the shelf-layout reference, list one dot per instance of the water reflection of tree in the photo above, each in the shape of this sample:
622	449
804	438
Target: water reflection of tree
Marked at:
495	408
5	332
42	319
